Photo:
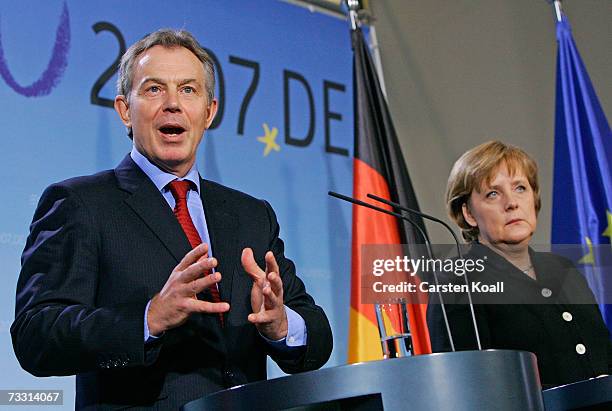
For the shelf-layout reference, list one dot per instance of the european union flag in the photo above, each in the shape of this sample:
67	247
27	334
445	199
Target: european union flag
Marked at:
582	197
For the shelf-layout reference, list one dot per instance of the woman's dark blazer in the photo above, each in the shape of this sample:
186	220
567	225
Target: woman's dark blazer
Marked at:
555	317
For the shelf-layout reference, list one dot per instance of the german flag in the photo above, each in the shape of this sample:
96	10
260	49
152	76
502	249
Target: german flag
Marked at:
378	168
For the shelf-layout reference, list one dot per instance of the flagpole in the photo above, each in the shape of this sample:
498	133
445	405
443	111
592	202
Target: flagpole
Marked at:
377	60
353	6
558	10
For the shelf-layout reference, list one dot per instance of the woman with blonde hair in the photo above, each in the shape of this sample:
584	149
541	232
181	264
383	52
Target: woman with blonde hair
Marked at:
546	306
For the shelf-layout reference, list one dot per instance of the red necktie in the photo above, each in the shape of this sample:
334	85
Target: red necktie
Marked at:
179	190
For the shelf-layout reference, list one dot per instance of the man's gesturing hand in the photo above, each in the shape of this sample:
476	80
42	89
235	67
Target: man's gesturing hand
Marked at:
269	314
177	300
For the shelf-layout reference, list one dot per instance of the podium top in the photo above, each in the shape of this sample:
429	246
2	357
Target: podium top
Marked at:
492	379
582	394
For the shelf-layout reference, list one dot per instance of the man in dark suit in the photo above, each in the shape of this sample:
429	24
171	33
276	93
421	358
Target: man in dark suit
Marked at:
146	280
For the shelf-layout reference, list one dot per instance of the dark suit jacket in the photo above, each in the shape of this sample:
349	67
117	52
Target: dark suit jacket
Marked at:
100	247
526	318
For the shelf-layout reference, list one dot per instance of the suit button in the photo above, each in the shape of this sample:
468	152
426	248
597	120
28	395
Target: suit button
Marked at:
546	292
580	349
567	316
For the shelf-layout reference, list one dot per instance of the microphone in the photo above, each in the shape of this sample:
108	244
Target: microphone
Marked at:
381	210
427	246
437	220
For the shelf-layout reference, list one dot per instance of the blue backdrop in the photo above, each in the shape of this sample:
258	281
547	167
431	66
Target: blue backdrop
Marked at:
281	68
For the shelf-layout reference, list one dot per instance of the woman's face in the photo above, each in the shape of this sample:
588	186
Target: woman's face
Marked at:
503	210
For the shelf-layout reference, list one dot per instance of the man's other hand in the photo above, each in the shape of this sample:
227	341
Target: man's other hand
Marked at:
269	314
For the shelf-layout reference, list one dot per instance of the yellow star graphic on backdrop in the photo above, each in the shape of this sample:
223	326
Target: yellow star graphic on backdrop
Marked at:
269	139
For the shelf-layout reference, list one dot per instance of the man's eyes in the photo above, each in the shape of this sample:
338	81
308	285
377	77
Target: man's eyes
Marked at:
158	89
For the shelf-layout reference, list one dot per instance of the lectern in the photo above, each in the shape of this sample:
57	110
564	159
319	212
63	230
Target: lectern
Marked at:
590	395
465	380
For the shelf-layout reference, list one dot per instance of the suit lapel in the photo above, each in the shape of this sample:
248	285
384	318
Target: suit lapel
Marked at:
148	203
222	229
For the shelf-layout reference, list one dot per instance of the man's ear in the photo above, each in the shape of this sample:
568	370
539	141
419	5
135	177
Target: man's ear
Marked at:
211	112
467	215
123	109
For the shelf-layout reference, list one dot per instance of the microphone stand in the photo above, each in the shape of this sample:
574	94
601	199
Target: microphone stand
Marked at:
437	220
427	246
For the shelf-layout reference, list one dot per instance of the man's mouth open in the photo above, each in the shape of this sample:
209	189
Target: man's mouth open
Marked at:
171	131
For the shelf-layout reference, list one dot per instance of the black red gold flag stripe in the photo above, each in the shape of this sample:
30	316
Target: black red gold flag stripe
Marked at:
378	168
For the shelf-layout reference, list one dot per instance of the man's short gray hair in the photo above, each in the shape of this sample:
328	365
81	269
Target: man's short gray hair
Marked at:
166	38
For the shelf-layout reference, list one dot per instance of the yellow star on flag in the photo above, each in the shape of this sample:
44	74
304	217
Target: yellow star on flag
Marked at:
589	258
608	231
269	139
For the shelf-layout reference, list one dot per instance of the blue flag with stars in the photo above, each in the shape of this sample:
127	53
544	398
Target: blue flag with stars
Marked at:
582	195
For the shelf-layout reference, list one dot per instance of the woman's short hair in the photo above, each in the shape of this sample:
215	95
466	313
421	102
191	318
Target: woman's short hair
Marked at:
476	168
